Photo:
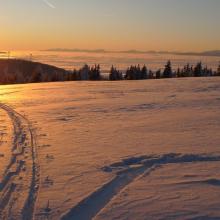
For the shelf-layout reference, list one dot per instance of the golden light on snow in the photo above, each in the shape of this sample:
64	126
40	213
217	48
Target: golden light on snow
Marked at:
160	135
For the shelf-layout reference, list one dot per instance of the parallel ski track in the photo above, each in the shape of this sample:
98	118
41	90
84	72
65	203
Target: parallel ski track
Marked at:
24	142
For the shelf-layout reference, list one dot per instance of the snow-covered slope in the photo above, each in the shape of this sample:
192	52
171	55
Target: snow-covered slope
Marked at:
113	150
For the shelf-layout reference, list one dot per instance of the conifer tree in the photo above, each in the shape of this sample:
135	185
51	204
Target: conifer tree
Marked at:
115	74
144	72
168	70
158	74
218	70
198	70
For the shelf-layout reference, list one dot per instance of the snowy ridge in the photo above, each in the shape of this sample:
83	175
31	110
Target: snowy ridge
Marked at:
127	171
20	182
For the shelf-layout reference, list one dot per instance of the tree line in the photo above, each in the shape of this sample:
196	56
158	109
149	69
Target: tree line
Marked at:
139	73
23	71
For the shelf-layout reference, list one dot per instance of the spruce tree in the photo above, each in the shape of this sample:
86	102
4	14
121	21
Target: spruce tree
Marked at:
198	70
158	74
144	72
178	73
218	70
168	70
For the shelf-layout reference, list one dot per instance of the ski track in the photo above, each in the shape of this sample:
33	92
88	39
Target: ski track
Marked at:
20	182
127	171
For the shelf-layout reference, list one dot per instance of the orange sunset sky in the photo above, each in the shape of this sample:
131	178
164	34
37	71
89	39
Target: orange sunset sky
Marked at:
183	25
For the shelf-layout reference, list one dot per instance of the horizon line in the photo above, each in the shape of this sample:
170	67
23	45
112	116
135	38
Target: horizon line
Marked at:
134	51
215	53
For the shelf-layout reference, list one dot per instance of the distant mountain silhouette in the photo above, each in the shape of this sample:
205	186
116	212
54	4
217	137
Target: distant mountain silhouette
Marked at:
75	50
203	53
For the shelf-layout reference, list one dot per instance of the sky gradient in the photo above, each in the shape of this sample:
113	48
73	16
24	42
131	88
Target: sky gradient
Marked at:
174	25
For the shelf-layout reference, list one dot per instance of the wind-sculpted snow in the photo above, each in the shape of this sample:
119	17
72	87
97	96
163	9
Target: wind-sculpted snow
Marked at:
127	171
111	150
160	160
213	182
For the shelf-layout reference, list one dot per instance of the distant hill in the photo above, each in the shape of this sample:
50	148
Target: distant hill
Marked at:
76	50
204	53
23	71
212	53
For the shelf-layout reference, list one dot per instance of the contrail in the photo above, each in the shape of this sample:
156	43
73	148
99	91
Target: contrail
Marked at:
49	4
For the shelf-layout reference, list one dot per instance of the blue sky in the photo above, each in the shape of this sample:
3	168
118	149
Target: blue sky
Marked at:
187	25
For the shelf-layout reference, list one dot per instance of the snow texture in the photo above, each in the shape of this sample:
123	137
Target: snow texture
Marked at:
110	150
